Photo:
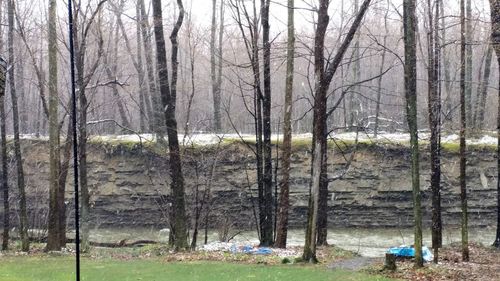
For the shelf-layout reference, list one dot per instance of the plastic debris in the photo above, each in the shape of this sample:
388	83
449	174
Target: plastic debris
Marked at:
409	252
248	249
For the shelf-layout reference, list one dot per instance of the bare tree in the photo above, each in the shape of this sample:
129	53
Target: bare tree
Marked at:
23	216
157	119
409	25
54	242
216	94
483	91
448	105
267	210
434	107
382	64
4	156
168	98
354	101
111	68
284	201
3	145
83	23
495	39
323	78
463	127
468	66
261	108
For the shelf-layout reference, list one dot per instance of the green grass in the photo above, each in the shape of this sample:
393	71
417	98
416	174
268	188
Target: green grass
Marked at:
62	269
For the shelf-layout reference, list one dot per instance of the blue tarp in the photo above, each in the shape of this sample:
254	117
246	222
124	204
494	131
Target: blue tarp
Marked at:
251	250
409	252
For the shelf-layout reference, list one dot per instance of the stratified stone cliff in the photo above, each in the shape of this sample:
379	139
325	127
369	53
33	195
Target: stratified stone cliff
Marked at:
130	185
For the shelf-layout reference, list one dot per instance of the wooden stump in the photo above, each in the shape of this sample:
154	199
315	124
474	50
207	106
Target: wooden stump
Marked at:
390	262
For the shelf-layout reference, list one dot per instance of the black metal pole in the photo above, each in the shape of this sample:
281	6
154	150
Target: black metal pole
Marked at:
75	141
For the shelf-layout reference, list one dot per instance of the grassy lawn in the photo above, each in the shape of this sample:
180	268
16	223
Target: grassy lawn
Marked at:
62	269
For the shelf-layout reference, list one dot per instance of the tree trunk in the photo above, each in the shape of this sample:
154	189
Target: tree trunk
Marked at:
53	238
111	73
219	63
284	201
410	69
477	100
63	176
497	48
168	98
82	160
381	69
468	65
322	223
434	106
319	112
354	102
83	78
483	92
322	81
157	118
267	225
390	262
448	103
5	171
23	215
23	118
495	39
213	75
3	147
463	127
143	101
4	185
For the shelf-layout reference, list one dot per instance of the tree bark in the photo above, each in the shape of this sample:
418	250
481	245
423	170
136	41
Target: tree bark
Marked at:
83	77
219	63
284	201
144	104
463	127
434	107
323	79
157	118
3	146
4	185
468	65
53	238
213	75
477	100
381	69
5	168
497	239
23	215
21	93
168	98
410	70
111	73
495	40
448	104
354	102
483	91
267	225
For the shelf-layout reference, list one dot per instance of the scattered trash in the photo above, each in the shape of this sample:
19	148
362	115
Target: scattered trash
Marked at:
248	249
245	248
409	252
217	247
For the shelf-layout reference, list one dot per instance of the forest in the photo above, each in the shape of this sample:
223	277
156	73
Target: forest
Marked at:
247	132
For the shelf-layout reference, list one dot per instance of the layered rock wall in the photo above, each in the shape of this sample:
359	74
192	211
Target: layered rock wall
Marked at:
130	186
